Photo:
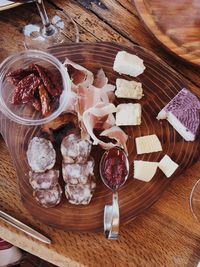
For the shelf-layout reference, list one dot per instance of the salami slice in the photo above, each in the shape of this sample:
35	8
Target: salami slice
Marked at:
80	194
78	173
48	197
44	180
75	150
41	154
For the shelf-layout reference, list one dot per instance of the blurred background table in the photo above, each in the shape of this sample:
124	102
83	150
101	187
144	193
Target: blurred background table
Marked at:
165	235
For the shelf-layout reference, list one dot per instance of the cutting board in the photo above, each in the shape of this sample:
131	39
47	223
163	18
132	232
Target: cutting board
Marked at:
175	23
160	84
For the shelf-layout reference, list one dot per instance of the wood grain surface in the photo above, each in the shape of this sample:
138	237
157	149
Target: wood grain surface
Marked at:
176	24
166	234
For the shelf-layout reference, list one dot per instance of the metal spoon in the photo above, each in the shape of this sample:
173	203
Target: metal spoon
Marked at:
111	212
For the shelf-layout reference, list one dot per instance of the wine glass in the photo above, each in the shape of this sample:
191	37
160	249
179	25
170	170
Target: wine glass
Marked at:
50	32
195	200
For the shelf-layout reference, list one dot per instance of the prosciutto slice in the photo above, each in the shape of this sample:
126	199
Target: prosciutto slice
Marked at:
95	110
100	80
78	74
90	96
118	134
72	103
87	98
96	117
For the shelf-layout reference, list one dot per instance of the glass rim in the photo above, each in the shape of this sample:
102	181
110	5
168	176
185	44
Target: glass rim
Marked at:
64	97
191	199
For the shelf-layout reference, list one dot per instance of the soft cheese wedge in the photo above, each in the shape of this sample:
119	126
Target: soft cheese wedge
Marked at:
144	170
128	89
182	112
148	144
128	114
167	165
126	63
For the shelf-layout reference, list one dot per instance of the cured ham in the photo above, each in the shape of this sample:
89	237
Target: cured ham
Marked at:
90	96
100	79
86	89
118	134
78	74
72	103
98	115
94	105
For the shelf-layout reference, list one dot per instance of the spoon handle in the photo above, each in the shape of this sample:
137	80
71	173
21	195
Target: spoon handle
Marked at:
111	218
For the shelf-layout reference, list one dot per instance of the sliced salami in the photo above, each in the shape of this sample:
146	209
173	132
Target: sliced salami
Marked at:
48	197
41	154
75	150
78	173
80	194
44	180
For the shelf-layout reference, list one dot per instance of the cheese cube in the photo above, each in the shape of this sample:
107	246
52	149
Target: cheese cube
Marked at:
144	170
148	144
129	64
128	114
167	165
128	89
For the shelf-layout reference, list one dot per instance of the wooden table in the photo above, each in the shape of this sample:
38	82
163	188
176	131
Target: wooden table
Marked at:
165	235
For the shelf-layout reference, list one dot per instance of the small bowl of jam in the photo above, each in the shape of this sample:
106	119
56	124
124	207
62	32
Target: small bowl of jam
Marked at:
34	87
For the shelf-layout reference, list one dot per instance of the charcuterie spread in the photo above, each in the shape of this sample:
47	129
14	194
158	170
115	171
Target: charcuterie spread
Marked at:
93	116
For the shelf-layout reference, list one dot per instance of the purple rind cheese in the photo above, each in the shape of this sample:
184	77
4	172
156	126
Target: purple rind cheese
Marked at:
183	114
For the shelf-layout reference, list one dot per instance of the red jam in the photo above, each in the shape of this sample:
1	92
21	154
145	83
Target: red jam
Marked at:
114	168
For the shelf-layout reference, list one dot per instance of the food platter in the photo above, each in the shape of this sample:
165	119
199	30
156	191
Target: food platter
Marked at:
160	85
4	5
175	24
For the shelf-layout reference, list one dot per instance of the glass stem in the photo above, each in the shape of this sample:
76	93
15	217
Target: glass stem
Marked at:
48	28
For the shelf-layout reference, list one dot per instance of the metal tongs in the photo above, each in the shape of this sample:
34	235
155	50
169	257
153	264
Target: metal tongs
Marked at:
23	227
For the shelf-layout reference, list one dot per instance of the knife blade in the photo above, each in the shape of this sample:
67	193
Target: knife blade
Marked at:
23	227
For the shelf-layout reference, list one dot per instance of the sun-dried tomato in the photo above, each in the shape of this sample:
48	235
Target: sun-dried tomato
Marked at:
28	93
37	85
25	89
17	75
36	104
49	81
44	98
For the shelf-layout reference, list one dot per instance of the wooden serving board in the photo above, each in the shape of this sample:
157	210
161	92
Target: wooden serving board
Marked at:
176	24
160	84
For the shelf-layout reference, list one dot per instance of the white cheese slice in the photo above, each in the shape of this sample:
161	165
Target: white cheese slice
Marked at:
144	170
167	165
148	144
128	114
129	64
128	89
